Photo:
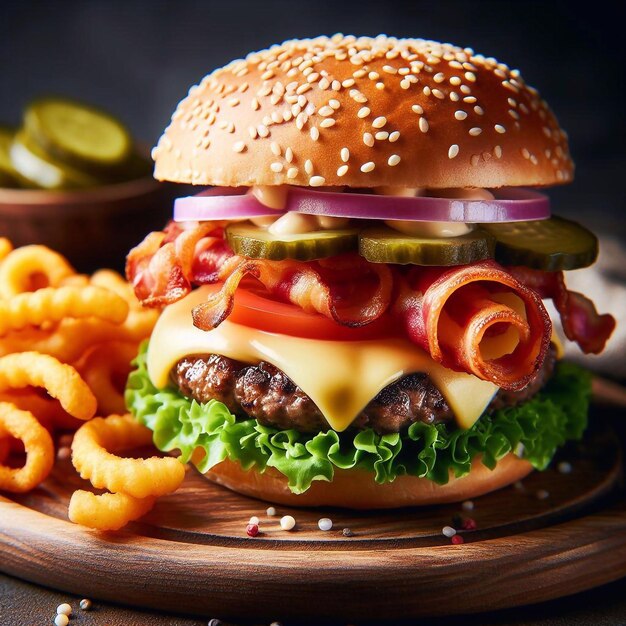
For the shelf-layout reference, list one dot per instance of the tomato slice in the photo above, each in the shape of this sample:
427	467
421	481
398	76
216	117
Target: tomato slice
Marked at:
256	309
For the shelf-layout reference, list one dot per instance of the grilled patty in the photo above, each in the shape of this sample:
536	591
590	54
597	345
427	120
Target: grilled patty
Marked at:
266	393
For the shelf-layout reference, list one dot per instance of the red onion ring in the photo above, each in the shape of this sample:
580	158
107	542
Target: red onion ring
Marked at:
511	205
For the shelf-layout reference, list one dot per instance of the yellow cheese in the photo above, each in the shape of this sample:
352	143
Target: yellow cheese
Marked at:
341	377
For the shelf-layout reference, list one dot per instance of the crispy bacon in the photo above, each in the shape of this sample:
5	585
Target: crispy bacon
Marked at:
346	288
455	313
581	321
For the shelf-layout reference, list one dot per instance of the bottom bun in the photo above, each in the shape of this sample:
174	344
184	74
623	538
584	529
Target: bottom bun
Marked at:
356	489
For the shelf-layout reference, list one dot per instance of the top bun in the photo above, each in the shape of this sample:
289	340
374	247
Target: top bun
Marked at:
364	112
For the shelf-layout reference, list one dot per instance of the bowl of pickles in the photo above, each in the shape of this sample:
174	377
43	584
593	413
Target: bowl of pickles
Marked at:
72	178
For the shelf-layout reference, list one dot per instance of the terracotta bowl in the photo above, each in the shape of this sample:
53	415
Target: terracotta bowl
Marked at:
92	228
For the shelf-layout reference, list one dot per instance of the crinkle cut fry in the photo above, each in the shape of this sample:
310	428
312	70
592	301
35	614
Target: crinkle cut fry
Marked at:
109	511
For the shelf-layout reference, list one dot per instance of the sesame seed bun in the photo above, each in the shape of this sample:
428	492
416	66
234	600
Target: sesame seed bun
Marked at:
364	113
356	489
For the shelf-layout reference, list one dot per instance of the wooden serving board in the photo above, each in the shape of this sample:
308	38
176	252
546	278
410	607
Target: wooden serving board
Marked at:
191	553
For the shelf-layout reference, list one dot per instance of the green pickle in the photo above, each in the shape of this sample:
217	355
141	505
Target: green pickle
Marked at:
549	245
385	245
9	177
257	243
77	135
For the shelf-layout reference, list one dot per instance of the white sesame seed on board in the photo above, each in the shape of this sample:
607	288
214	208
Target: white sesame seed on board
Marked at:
363	112
475	131
292	172
379	122
316	181
343	170
448	531
393	160
460	115
368	167
308	166
315	133
499	129
423	124
453	151
276	167
287	522
239	146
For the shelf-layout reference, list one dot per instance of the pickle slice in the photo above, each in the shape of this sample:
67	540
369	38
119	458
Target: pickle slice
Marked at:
37	170
8	176
549	245
385	245
257	243
78	135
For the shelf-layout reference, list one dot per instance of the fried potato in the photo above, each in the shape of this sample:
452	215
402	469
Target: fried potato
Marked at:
93	457
5	247
109	511
38	444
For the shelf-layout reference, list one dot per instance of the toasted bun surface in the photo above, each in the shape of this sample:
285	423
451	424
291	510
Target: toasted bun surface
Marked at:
356	489
364	113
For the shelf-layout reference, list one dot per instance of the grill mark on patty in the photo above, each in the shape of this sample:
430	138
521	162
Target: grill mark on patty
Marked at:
266	393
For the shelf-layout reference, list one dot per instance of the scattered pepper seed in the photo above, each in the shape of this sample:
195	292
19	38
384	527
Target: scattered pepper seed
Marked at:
469	524
287	522
468	505
456	540
61	620
542	494
325	523
85	604
64	609
252	530
254	520
448	531
346	532
564	467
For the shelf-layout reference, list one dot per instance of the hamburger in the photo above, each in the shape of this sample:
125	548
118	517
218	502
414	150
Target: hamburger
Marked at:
353	302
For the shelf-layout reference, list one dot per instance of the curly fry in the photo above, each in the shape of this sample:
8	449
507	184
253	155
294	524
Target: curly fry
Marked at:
38	445
54	304
5	247
105	369
139	478
31	267
61	381
76	280
47	410
110	511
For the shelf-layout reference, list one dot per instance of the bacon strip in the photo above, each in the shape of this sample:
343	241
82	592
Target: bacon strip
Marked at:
580	319
453	312
361	297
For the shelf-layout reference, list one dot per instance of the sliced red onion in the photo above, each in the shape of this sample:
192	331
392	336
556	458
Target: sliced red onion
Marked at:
510	205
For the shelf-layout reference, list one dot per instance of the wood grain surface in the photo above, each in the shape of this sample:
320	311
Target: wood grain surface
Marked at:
191	553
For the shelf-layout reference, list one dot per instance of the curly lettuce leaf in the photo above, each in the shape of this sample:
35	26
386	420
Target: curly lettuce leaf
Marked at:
538	427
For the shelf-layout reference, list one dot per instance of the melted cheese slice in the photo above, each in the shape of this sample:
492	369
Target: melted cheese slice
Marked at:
341	377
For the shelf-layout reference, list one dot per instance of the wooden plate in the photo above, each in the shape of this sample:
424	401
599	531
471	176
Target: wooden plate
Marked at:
557	534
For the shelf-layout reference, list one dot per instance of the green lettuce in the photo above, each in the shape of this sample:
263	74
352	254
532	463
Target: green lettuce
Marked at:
533	430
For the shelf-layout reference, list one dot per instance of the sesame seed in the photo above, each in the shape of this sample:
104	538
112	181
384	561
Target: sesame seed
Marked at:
316	181
255	104
475	159
439	94
345	154
363	112
292	172
454	96
381	135
460	115
271	511
315	134
394	159
405	83
455	80
525	153
380	86
263	130
423	124
453	151
514	114
468	505
308	166
379	122
289	155
499	129
474	132
326	111
349	82
389	69
342	171
564	467
394	136
240	146
470	76
288	522
426	90
276	167
324	83
368	139
325	523
275	148
479	110
416	108
439	77
498	152
448	531
469	99
373	75
327	123
368	167
335	104
254	520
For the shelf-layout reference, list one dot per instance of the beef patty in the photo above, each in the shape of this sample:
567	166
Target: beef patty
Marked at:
266	393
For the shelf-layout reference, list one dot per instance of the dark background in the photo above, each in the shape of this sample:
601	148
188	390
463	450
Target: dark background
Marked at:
138	59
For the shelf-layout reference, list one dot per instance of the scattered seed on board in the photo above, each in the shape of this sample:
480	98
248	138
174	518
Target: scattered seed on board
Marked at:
456	540
564	467
519	485
346	532
252	530
448	531
61	620
287	522
271	511
542	494
254	520
85	604
64	609
468	505
325	523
